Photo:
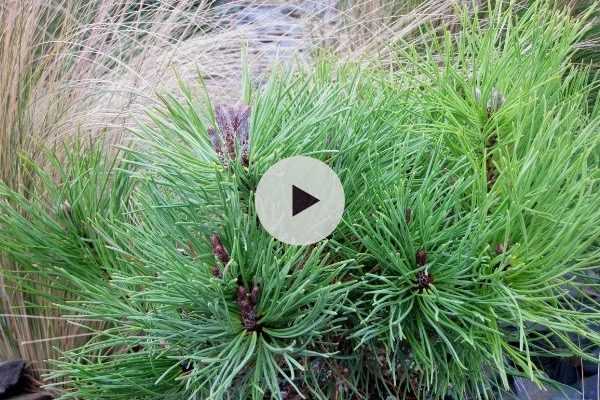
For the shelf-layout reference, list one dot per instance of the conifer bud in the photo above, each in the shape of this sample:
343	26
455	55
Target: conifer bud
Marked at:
241	293
245	158
500	249
495	102
424	280
477	94
217	273
216	141
218	249
231	134
421	258
247	301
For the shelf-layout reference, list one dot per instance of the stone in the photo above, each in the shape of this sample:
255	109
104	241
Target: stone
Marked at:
590	388
525	389
11	373
591	368
562	370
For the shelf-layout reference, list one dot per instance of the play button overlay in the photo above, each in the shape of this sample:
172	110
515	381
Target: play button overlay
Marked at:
299	200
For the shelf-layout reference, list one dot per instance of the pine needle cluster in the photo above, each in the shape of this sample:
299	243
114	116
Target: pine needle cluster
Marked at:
466	254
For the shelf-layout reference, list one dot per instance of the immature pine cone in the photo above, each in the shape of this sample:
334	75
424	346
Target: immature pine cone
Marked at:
421	258
424	280
216	271
500	249
231	134
247	301
218	249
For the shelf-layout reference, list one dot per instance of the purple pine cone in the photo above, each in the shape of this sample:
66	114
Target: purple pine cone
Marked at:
218	249
231	138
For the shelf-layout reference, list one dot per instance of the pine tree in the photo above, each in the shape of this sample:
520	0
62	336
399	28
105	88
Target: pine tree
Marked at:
465	253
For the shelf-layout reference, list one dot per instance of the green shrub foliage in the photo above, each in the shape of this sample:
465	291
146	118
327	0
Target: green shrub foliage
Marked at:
466	252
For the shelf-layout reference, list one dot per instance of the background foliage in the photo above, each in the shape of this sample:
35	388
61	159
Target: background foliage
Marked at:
466	254
72	69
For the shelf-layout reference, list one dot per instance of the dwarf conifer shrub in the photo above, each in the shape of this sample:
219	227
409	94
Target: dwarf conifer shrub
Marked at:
465	255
